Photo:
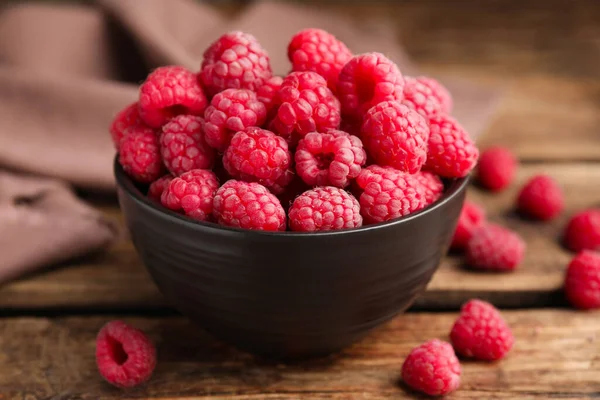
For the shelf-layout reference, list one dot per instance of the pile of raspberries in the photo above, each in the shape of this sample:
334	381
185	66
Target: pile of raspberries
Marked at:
341	141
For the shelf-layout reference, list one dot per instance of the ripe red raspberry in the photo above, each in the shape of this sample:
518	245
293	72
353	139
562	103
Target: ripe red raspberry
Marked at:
304	104
257	155
192	193
583	231
367	80
267	92
318	51
426	96
324	209
235	61
139	155
432	368
395	135
248	205
170	91
329	159
388	194
582	282
231	111
472	217
497	168
156	188
452	153
541	198
495	248
432	186
183	147
127	119
124	355
481	332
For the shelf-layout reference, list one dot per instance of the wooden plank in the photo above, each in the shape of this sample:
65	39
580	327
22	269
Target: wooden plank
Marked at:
556	355
117	280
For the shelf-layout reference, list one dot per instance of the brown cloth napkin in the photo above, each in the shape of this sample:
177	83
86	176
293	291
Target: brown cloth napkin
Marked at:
65	70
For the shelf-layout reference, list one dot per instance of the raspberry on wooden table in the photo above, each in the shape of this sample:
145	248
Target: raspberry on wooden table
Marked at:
139	155
267	92
127	119
304	104
388	194
396	136
432	186
329	159
426	96
495	248
497	168
234	61
248	205
231	111
367	80
541	198
169	91
257	155
124	355
192	193
583	231
452	153
183	147
324	209
582	282
156	188
318	51
432	368
472	217
481	332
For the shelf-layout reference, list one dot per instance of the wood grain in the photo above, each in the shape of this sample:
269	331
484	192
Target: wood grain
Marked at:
556	355
116	280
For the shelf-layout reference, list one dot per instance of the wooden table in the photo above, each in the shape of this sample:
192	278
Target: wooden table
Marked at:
548	53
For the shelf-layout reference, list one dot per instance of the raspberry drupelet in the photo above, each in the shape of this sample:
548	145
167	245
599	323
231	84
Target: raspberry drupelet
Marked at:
495	248
472	217
432	368
367	80
156	188
304	104
169	91
324	209
541	198
480	332
582	281
257	155
248	205
497	168
231	111
124	355
329	159
396	136
267	92
388	194
124	121
318	51
234	61
451	153
139	155
193	193
426	96
583	231
183	147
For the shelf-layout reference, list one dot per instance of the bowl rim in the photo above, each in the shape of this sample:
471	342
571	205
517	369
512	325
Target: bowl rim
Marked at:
124	182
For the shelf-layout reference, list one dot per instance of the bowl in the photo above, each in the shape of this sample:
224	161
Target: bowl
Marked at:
289	295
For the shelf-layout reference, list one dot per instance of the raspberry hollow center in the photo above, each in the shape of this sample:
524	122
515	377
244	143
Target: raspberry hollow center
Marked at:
324	160
117	351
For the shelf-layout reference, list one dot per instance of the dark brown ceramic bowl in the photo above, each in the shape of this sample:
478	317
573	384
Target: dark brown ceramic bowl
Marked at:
289	295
